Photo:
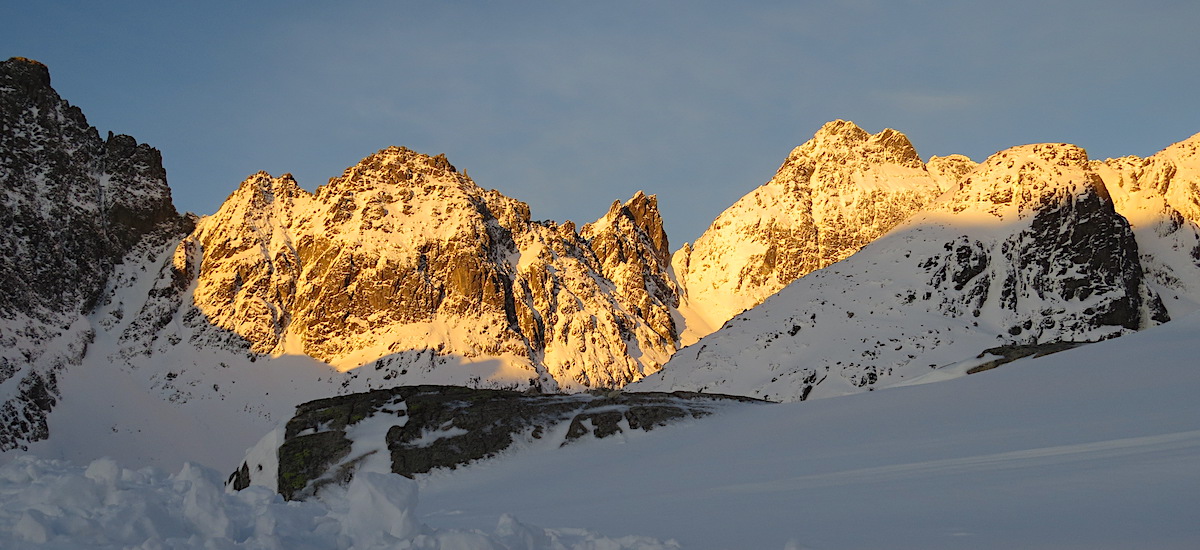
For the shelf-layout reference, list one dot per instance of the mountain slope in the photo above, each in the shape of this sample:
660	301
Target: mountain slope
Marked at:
1029	250
73	206
1159	197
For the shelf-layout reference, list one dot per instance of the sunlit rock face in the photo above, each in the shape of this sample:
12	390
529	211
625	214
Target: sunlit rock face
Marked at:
72	206
403	253
1029	250
1159	196
834	194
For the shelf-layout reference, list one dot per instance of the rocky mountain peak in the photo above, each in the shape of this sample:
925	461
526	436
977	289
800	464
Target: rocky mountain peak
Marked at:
83	202
840	129
24	73
950	170
399	166
844	141
834	194
641	212
404	266
263	188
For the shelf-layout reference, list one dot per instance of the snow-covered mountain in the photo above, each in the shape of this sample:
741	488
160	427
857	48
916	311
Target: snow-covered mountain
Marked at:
73	205
404	265
1028	250
400	271
834	194
134	324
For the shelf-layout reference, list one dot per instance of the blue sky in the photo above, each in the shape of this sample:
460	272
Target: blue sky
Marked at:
570	105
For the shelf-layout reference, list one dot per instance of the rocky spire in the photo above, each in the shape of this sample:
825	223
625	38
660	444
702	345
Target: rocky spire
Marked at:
633	252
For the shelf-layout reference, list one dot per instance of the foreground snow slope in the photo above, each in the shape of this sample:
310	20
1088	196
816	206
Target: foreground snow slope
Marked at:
51	504
1095	447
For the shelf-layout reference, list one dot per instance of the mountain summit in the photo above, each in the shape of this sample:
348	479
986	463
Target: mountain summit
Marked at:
407	266
1028	250
834	194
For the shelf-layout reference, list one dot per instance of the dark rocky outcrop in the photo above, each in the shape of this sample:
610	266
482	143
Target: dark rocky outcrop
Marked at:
449	426
1012	352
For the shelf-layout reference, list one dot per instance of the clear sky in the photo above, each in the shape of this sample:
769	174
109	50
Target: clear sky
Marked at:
570	105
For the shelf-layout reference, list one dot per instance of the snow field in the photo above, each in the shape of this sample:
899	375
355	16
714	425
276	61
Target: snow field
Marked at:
1094	447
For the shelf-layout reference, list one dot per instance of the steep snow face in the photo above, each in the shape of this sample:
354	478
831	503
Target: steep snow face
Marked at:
839	191
71	205
1029	250
406	265
1159	196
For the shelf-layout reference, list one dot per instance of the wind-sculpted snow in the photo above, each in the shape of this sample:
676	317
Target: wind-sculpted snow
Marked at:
834	194
52	504
1029	250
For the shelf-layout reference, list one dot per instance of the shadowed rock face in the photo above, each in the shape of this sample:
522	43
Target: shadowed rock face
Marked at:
449	426
73	203
72	206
